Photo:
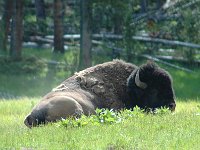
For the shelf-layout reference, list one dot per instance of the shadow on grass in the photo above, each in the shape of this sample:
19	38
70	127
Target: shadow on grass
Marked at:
186	85
29	85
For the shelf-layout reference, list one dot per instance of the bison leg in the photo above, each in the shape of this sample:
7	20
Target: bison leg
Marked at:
62	107
53	109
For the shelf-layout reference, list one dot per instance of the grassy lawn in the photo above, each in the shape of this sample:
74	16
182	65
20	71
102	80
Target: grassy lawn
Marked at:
179	130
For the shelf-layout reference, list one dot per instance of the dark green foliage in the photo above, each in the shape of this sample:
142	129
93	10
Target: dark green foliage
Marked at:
103	116
106	116
27	65
37	73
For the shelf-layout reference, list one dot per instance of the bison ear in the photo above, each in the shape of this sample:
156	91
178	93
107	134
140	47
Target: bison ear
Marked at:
150	61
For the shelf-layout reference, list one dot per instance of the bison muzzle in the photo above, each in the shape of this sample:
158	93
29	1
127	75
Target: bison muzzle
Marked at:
113	85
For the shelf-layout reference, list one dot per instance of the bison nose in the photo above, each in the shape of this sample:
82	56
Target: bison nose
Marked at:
29	121
172	106
26	122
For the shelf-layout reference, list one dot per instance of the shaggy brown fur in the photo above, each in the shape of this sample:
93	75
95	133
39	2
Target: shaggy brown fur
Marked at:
106	82
103	86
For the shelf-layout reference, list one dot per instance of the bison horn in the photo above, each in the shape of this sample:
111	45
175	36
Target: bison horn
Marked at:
139	83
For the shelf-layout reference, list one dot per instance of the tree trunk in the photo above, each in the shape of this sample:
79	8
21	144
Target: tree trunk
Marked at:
118	22
86	39
16	29
5	24
144	5
41	16
58	26
159	4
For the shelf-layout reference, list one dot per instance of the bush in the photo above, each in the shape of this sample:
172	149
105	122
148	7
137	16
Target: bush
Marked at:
27	65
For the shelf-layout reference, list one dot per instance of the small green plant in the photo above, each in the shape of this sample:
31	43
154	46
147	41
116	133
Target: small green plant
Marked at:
162	111
103	116
74	122
198	107
136	112
106	116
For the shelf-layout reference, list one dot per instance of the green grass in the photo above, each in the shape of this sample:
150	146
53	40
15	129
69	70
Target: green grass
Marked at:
186	85
37	82
163	131
28	85
167	131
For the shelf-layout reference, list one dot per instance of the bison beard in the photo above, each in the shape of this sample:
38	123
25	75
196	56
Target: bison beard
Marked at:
112	85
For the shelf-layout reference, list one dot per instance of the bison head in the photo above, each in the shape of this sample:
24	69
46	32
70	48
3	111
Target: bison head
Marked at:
149	86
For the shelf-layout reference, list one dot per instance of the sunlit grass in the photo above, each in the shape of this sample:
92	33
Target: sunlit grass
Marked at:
186	84
179	130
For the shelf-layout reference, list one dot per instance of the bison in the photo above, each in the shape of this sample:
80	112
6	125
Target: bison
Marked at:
113	85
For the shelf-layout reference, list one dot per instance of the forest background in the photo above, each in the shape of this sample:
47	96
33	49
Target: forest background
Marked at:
44	42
